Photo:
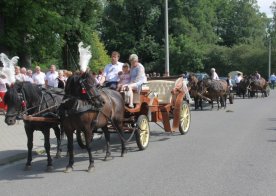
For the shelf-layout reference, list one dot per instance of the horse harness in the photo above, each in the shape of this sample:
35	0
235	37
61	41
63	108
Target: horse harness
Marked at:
24	110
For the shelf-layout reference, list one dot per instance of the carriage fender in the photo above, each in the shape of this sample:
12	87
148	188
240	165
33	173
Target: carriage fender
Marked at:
176	111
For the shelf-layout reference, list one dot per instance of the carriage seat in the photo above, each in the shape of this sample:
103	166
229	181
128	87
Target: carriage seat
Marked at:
162	88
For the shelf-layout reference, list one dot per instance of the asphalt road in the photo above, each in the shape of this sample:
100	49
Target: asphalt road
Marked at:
226	152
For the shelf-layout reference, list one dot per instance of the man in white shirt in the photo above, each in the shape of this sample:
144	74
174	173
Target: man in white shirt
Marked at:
272	79
238	79
18	75
39	76
51	77
214	75
26	78
110	73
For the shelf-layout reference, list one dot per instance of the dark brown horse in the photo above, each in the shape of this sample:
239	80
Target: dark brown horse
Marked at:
258	85
216	90
30	99
194	90
244	86
86	110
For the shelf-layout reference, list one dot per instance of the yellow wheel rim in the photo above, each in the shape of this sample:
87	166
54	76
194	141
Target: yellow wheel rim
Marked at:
144	132
185	117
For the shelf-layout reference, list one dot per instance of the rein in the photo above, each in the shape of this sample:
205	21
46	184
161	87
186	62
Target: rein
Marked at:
116	128
23	100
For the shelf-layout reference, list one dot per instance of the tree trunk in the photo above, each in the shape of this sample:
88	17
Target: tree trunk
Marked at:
25	60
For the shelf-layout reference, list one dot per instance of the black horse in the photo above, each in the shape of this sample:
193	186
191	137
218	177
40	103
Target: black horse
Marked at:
86	109
30	99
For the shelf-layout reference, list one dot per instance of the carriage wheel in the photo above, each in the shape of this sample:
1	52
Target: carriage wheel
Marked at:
142	132
81	139
185	118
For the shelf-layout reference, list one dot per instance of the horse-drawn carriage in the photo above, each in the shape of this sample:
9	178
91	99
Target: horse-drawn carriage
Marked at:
86	109
158	101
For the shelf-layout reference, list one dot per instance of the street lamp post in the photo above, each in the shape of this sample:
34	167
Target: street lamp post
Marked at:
269	56
167	63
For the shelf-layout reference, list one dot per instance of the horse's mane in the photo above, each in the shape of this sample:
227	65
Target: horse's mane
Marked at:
72	80
11	95
31	91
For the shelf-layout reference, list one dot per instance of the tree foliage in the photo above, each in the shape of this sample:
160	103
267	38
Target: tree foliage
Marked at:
225	34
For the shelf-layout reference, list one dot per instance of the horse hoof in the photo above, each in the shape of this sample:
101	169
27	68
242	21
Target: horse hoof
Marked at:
91	169
68	169
49	168
28	168
108	158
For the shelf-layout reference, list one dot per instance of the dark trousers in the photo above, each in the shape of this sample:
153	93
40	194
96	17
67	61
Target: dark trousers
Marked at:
238	88
272	84
112	85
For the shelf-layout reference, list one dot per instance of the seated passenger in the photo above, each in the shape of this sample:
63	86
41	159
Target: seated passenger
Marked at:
214	75
124	77
137	77
257	75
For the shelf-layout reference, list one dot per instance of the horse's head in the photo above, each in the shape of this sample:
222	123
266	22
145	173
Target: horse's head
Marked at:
14	100
21	97
79	84
192	81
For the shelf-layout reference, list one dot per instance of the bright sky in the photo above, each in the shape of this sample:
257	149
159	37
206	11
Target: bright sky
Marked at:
264	7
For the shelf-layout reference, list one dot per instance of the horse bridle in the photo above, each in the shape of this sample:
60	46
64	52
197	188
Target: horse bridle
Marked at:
23	106
18	112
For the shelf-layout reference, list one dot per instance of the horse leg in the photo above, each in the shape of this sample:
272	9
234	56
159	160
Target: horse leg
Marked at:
118	127
107	140
218	101
123	151
58	136
88	139
30	134
196	102
70	149
46	134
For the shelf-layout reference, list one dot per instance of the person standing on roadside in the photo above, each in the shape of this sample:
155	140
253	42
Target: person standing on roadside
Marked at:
51	77
39	76
272	80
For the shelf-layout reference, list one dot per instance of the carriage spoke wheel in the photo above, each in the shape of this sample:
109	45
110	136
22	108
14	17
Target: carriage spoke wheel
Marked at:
185	118
142	132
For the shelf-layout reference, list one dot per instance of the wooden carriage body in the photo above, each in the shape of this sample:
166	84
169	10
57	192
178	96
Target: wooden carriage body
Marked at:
161	101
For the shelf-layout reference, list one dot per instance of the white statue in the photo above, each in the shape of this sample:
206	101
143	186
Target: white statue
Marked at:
8	67
85	56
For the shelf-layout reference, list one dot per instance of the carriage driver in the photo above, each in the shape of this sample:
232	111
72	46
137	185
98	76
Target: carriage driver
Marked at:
214	75
110	74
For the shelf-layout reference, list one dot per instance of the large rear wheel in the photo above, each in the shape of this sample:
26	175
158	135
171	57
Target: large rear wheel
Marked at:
185	118
142	132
